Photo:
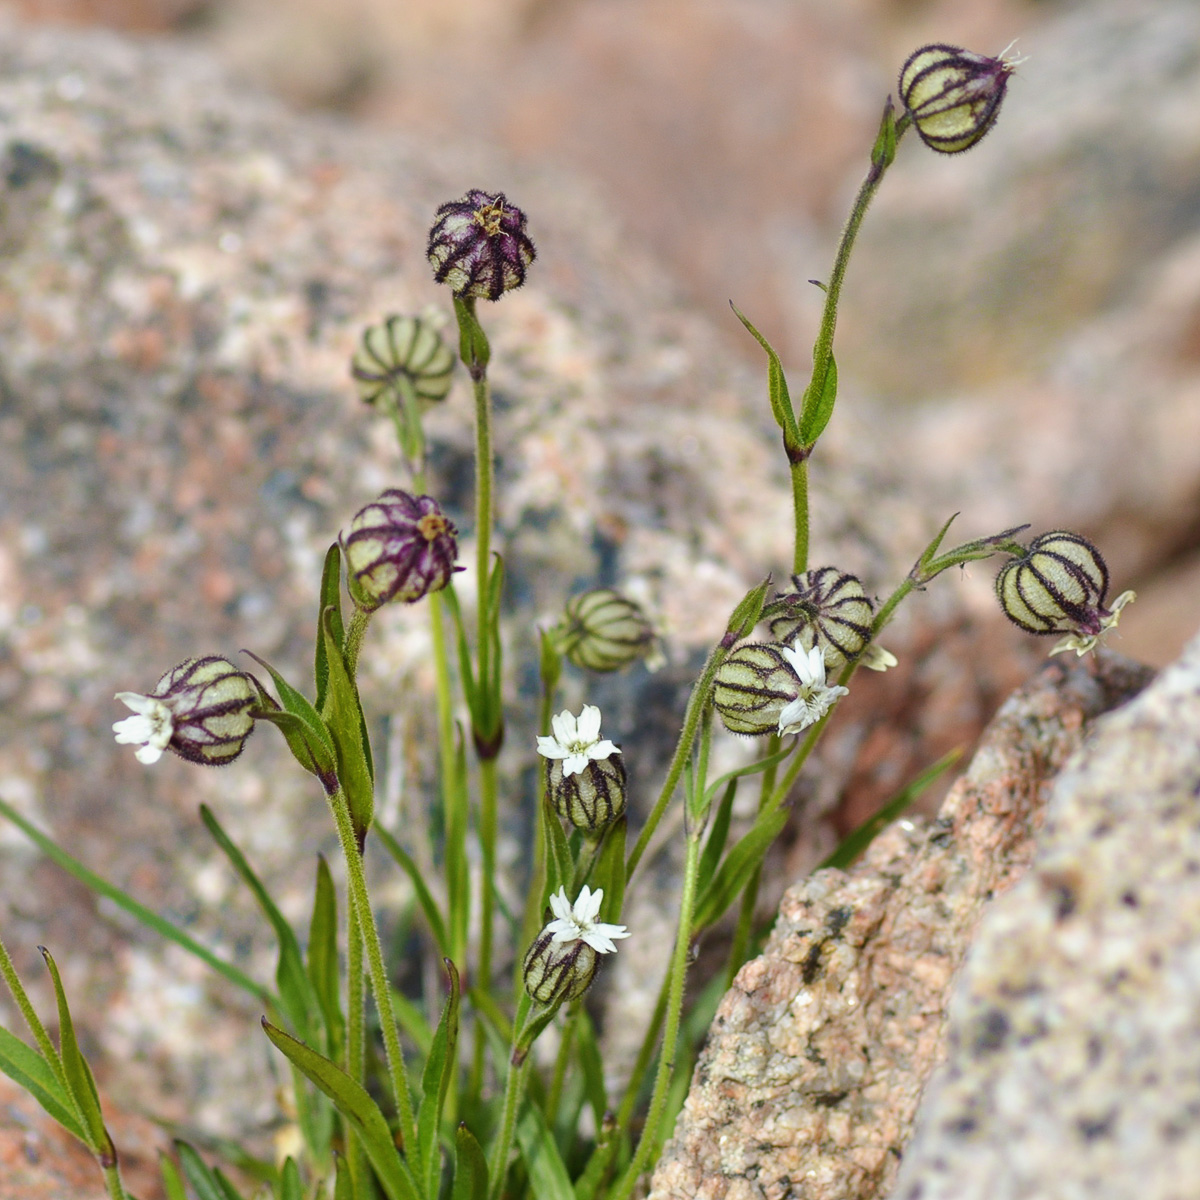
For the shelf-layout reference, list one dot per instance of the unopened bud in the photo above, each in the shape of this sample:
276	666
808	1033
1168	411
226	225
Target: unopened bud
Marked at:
605	631
478	246
953	96
1060	586
402	349
400	547
203	710
829	609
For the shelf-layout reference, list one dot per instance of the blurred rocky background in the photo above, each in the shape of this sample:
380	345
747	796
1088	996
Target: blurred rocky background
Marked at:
186	262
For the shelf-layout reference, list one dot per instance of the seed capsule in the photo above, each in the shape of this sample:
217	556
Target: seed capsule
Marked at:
605	631
478	246
400	547
402	349
1058	586
830	609
752	687
953	95
591	798
203	710
556	972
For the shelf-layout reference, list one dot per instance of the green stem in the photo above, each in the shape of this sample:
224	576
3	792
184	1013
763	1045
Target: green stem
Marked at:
487	902
361	901
356	1057
800	514
484	470
355	633
112	1181
666	1062
514	1087
691	723
531	920
560	1062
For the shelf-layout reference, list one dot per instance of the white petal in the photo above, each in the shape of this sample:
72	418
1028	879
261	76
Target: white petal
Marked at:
138	702
796	716
599	942
134	731
560	905
564	931
148	754
573	763
587	907
549	748
603	749
563	726
587	728
876	658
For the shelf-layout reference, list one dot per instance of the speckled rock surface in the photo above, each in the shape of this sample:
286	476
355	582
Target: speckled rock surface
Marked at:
1074	1058
821	1049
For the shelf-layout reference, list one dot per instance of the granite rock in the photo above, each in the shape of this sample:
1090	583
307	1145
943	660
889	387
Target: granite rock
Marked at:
821	1050
1073	1067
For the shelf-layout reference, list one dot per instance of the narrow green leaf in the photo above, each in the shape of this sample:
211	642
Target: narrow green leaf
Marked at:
309	751
930	550
319	743
412	1020
819	399
344	717
433	916
343	1185
609	873
458	866
297	997
331	600
883	152
440	1067
855	842
745	616
777	388
466	667
473	346
290	1186
737	868
470	1167
753	769
323	969
714	847
353	1101
560	867
228	1191
79	1075
591	1065
548	1178
172	1181
207	1184
150	919
25	1066
486	1007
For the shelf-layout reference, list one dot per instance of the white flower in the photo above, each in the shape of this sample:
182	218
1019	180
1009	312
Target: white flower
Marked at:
579	924
876	658
149	729
816	696
576	741
1081	643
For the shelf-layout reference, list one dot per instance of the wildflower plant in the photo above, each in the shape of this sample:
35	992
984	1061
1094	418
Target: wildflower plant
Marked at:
454	1103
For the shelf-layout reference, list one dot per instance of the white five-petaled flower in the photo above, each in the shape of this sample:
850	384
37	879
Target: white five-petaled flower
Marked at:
816	696
149	729
579	924
576	740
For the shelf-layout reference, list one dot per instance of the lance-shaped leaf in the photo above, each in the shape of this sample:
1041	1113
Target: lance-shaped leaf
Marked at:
473	346
297	997
331	600
290	1185
777	388
470	1167
609	872
171	1179
714	847
548	1177
747	613
322	961
440	1067
301	725
79	1075
25	1066
433	915
344	717
817	406
353	1101
206	1183
742	861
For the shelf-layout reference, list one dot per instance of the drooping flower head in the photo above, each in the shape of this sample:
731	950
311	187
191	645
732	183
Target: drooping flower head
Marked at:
1059	586
478	246
561	964
831	609
202	710
402	351
399	547
764	687
953	95
605	631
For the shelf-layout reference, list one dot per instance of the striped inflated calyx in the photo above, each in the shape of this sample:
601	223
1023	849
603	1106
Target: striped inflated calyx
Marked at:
952	95
828	608
402	352
590	798
604	631
752	687
1058	586
478	246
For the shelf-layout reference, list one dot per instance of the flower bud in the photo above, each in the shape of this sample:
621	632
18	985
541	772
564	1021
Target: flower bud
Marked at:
590	798
400	547
402	348
952	95
479	247
203	710
1059	586
605	631
558	971
830	609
